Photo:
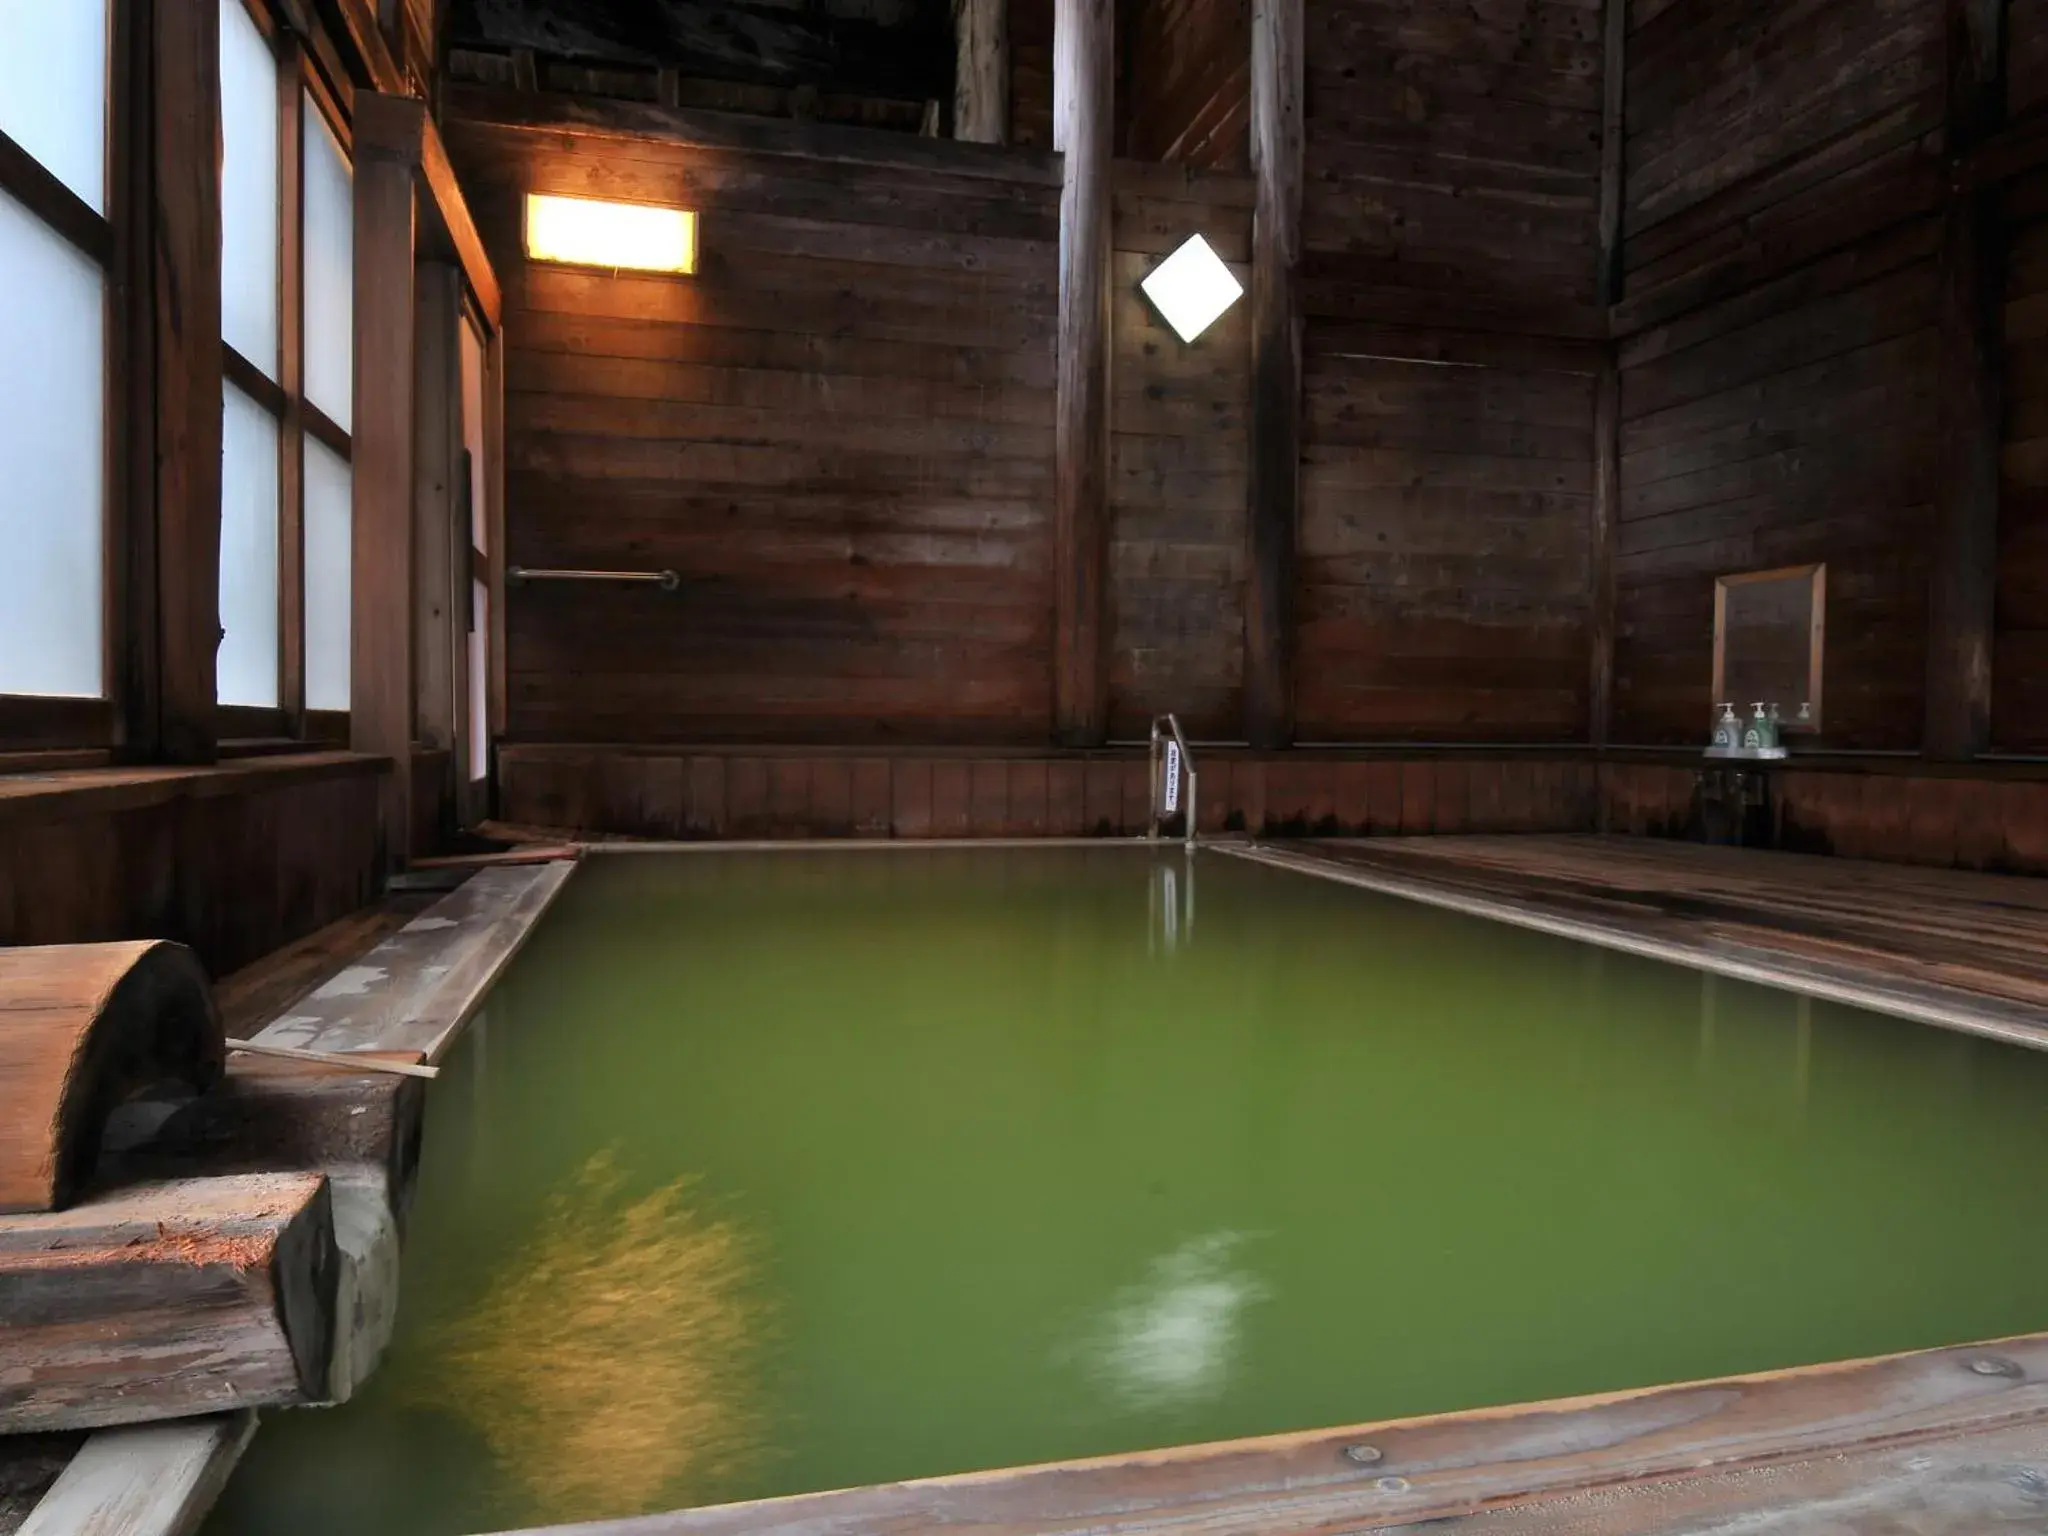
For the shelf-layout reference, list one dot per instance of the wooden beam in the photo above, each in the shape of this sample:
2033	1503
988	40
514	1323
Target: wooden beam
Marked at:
1608	279
453	208
981	75
381	688
1084	55
837	142
1278	64
165	1300
184	215
1606	514
1963	581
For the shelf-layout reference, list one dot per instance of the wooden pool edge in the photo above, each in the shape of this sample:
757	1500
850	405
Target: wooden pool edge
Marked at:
1447	1469
1920	1002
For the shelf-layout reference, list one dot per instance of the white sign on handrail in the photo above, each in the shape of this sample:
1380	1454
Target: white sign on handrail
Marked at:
1172	800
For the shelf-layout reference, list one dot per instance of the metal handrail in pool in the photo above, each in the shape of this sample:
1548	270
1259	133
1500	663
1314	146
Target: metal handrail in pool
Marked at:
1178	760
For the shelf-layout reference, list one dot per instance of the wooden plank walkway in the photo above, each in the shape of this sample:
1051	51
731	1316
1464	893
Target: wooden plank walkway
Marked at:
1960	950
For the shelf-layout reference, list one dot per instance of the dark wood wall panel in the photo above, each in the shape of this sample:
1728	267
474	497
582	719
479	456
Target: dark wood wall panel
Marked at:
235	863
1444	550
1187	81
2027	60
1453	162
1778	356
1031	73
2019	656
1178	465
1792	424
839	433
1722	90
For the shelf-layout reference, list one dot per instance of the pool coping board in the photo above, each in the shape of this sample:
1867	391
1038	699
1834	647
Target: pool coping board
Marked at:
1931	1003
1452	1467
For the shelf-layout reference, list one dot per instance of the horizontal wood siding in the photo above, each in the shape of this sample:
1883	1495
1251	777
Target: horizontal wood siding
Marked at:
1187	81
1792	424
1777	369
1031	73
1178	465
234	873
1453	163
839	433
2019	656
1444	551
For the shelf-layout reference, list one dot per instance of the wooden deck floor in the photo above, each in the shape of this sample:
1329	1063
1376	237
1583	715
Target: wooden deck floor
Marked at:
1964	951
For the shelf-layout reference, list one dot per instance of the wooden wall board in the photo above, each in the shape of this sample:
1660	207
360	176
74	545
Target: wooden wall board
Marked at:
2019	656
839	432
1186	81
1444	552
234	862
1178	468
643	793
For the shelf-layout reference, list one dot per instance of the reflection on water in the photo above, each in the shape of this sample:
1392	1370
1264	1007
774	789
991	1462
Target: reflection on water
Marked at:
611	1365
1168	1341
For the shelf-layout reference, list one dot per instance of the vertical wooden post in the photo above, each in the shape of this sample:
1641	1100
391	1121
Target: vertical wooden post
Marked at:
981	76
1606	509
185	242
441	565
1963	583
1276	148
437	466
1084	57
381	690
1607	281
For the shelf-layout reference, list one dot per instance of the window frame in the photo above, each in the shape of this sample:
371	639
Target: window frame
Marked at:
300	81
39	722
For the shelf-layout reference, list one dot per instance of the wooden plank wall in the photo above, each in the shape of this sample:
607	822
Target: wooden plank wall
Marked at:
1449	217
1778	356
1444	549
235	863
1178	465
2019	655
1031	73
839	433
1186	81
801	793
1453	164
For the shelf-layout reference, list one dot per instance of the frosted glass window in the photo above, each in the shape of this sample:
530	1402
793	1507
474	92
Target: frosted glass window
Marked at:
53	89
248	189
329	556
52	457
246	667
473	431
330	242
479	681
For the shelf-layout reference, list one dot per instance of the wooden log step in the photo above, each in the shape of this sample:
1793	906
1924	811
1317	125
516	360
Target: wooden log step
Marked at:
167	1300
82	1027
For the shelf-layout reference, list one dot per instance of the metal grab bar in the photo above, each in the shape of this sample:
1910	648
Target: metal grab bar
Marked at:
668	581
1173	746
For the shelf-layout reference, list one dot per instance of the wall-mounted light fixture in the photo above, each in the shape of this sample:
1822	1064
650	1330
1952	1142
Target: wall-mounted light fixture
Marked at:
636	237
1192	288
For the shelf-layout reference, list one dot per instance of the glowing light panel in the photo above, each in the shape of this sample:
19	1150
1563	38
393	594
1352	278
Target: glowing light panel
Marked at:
623	236
1192	288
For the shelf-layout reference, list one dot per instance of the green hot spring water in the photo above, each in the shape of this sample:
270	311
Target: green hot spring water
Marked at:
765	1173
